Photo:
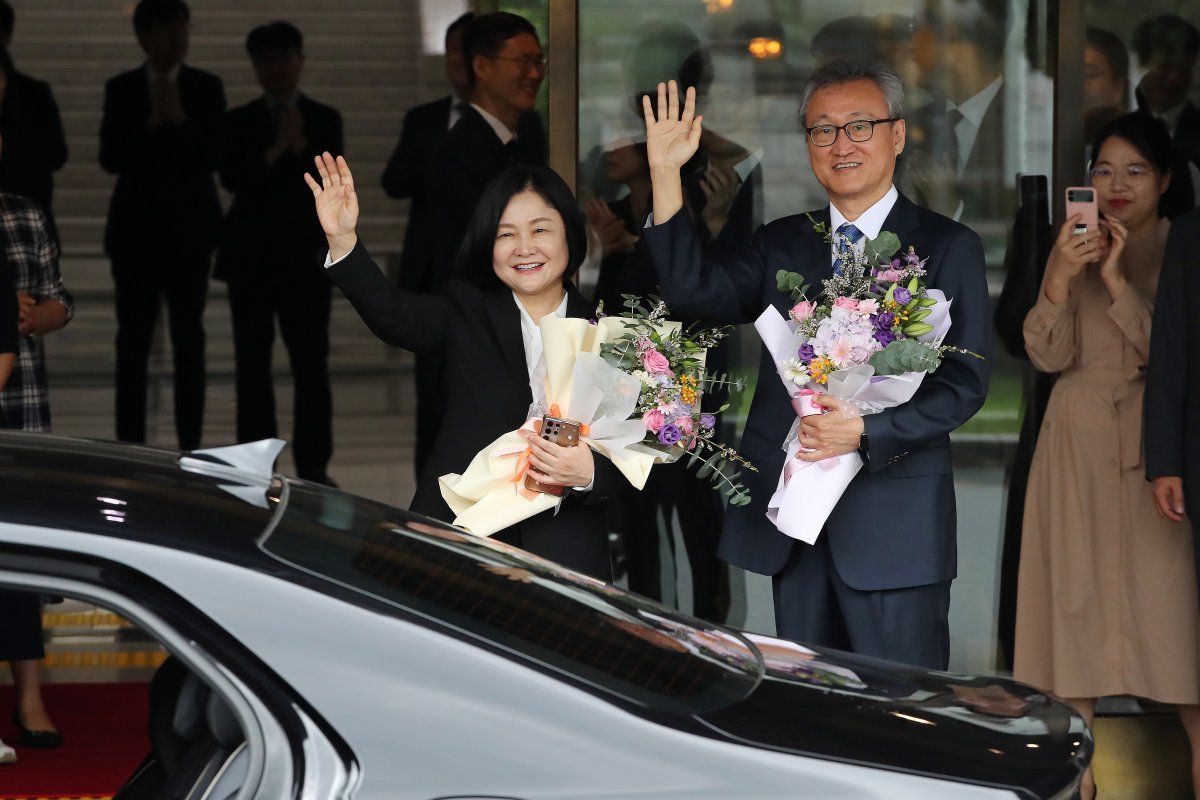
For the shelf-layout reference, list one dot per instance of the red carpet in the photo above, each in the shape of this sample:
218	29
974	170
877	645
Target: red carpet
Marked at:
104	739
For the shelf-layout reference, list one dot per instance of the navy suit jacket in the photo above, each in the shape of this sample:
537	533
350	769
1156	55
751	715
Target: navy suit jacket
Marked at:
895	525
1172	405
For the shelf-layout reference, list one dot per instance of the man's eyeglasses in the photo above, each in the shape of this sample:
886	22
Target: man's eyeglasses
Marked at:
1131	176
527	62
860	130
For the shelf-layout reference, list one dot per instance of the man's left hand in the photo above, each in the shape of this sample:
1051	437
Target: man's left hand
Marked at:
834	433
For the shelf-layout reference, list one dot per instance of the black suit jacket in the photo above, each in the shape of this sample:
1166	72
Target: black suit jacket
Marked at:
895	525
272	222
35	145
1187	133
487	382
165	197
463	163
1172	404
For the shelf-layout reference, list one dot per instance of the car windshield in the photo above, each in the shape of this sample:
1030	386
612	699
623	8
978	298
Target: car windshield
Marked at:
599	634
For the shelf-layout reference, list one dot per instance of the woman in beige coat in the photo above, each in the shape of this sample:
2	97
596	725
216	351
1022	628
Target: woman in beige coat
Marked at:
1106	596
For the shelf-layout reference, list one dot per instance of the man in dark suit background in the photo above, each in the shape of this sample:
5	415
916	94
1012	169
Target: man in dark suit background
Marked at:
272	248
35	144
505	67
158	135
877	581
499	126
406	171
1172	415
1167	47
960	170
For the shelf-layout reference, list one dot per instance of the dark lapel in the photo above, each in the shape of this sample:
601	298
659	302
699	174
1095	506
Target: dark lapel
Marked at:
577	304
818	254
477	129
902	220
506	327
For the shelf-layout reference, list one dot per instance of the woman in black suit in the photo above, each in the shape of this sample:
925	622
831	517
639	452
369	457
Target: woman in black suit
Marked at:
525	241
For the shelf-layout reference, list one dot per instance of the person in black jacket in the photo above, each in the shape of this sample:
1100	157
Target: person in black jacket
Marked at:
35	145
525	241
405	177
158	135
272	246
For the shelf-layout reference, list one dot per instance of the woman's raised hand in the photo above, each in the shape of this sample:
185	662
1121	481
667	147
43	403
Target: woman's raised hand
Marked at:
1068	257
1110	268
672	137
337	203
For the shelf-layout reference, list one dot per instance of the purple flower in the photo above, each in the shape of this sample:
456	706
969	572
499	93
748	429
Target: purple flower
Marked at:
896	262
805	353
669	434
707	421
883	320
884	336
901	295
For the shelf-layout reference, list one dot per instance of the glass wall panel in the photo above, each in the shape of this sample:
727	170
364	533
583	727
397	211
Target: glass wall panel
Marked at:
978	65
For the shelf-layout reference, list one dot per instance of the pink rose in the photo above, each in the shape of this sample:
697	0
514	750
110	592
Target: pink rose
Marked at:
802	310
656	363
684	424
887	276
848	303
653	420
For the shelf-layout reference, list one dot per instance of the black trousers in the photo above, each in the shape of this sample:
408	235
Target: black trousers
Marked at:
141	284
814	605
675	488
300	299
20	626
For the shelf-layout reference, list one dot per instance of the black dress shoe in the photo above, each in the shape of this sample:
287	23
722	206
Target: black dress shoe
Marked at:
40	739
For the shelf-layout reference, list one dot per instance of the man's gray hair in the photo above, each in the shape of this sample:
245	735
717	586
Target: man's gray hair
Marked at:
842	71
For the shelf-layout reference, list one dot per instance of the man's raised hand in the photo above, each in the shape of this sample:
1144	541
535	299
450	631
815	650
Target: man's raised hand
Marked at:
672	137
337	203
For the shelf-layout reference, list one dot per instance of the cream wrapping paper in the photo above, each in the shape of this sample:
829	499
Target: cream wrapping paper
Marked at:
585	388
808	491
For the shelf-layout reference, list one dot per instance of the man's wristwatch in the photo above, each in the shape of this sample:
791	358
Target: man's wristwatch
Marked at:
863	444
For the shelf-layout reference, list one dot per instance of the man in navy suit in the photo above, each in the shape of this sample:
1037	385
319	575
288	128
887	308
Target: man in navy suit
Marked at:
271	245
877	581
1172	432
158	135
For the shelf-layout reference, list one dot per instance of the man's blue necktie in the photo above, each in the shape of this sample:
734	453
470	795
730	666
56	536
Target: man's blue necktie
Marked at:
847	237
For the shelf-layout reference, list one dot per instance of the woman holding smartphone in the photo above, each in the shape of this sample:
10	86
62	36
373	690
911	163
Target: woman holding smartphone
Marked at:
1106	596
525	241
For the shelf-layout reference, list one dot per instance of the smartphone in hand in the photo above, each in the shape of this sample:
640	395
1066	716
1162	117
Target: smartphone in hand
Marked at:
564	432
1082	200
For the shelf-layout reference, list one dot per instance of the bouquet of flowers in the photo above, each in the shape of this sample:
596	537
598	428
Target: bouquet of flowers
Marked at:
869	336
668	362
633	385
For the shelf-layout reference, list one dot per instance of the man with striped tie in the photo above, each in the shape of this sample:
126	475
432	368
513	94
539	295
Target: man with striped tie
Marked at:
877	580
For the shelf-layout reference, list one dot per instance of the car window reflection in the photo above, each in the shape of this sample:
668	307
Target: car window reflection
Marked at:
557	619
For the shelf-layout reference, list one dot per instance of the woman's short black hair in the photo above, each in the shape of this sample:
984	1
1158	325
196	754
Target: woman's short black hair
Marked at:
474	261
1149	136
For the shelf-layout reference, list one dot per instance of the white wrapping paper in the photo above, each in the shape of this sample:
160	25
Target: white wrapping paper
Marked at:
490	496
808	491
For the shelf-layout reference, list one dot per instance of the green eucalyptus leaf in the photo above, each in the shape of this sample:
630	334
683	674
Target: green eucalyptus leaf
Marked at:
905	355
882	247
